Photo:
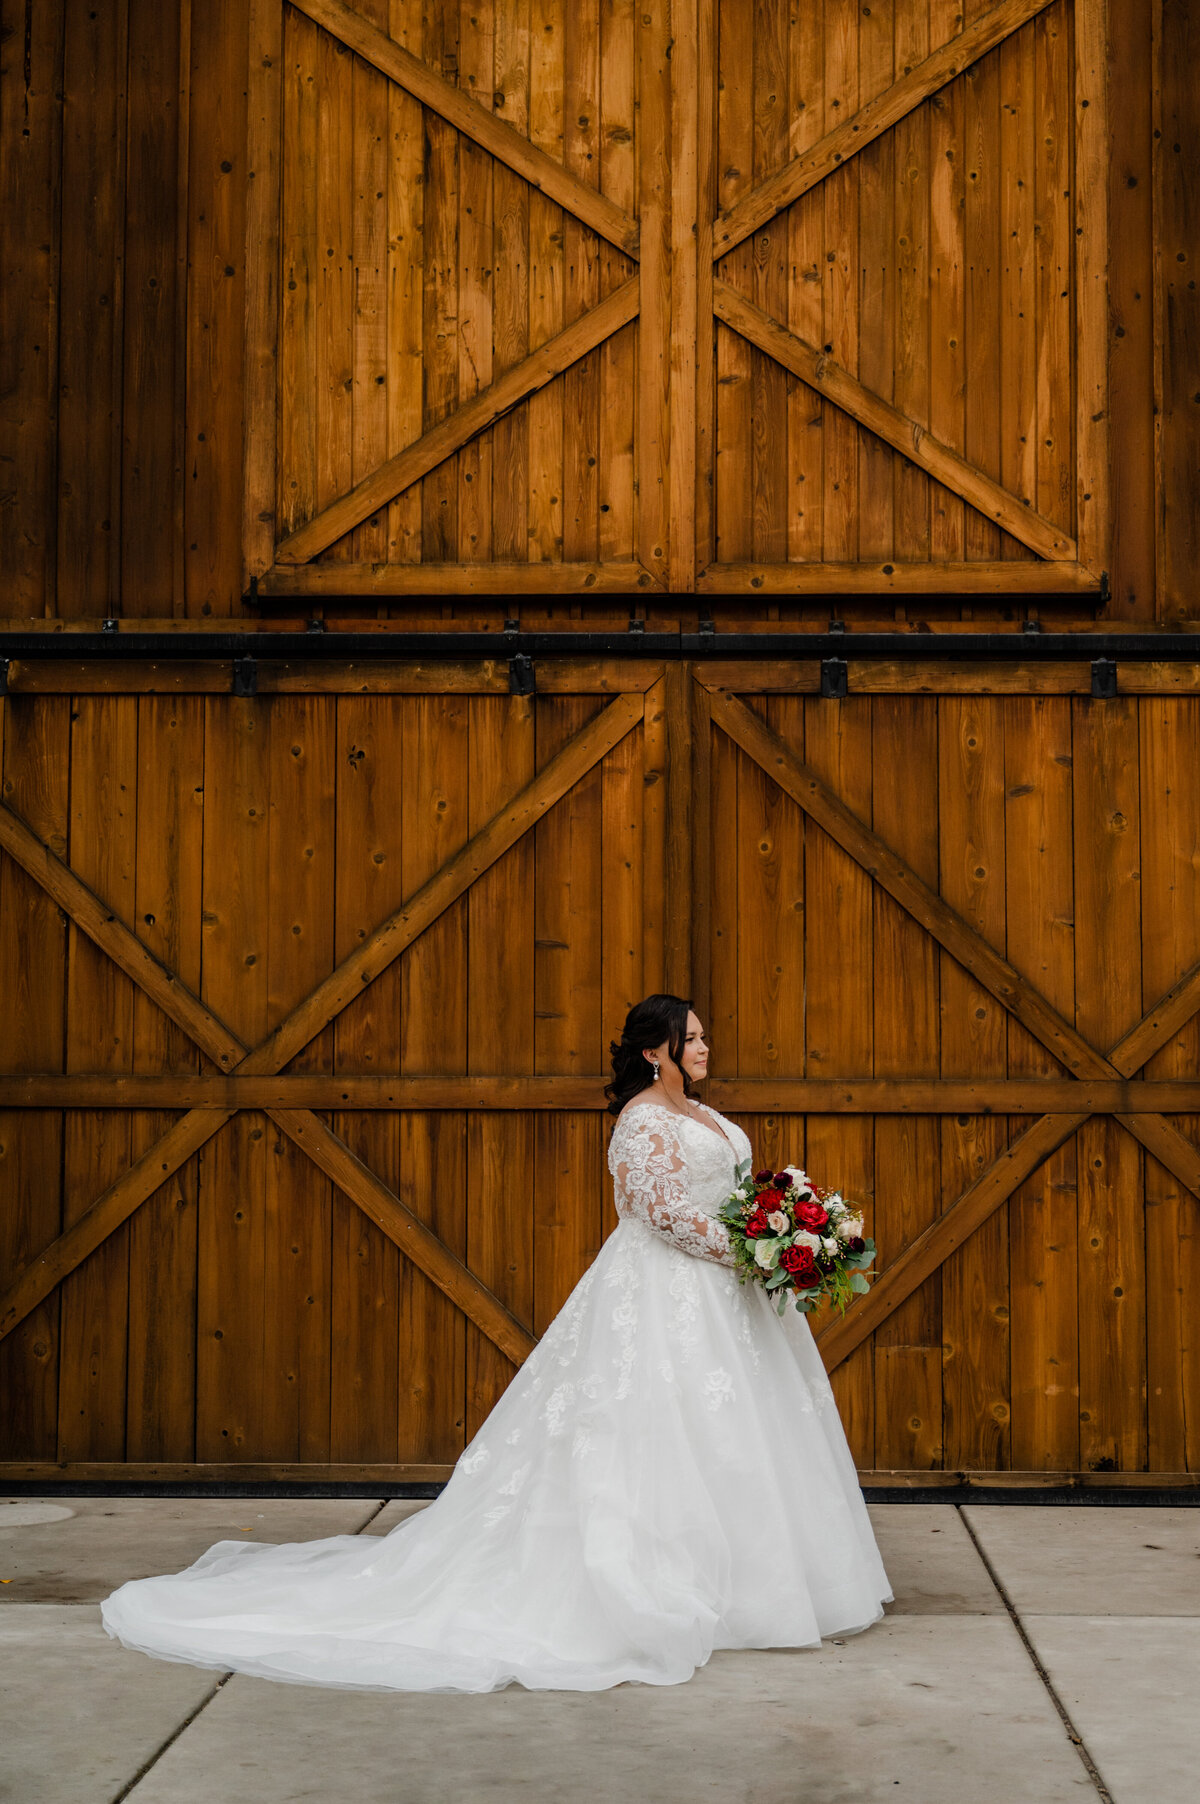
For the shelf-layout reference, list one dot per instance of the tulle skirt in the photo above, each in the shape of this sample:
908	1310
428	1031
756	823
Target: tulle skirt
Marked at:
666	1475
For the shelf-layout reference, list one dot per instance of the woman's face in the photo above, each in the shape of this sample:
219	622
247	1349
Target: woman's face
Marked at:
694	1058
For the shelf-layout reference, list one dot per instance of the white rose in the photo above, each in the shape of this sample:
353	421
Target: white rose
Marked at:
777	1221
805	1239
830	1246
765	1254
797	1173
850	1227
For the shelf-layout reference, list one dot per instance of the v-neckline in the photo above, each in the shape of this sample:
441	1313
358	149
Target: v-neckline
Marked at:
717	1132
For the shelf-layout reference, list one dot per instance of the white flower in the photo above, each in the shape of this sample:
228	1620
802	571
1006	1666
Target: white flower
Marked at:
850	1227
805	1239
797	1172
777	1221
830	1246
765	1254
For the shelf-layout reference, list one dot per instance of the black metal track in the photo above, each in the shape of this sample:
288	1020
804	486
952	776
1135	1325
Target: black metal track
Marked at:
791	647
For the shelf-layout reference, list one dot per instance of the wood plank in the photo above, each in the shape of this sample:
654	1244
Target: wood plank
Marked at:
297	1304
868	122
735	360
161	1410
216	320
1056	478
442	440
1169	763
685	196
35	750
878	254
331	580
1040	891
476	257
1092	152
547	271
654	840
296	497
371	158
439	346
212	1473
265	175
913	178
933	579
235	1163
975	1280
365	1372
1111	1229
99	1033
30	238
982	252
1018	363
476	122
826	1096
1177	198
906	1033
616	160
653	429
947	334
806	299
433	1038
839	1021
830	379
841	327
510	296
581	284
707	114
500	1044
678	873
406	251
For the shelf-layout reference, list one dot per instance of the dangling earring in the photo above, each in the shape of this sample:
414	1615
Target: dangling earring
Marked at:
654	1064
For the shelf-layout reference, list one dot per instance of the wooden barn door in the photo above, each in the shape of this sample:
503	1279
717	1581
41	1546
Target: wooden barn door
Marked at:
758	299
949	950
301	1128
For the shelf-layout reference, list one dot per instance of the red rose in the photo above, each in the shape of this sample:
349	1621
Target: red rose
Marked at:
757	1225
811	1216
801	1267
768	1200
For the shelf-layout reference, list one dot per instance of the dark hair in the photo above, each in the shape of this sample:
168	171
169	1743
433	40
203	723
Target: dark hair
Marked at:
648	1023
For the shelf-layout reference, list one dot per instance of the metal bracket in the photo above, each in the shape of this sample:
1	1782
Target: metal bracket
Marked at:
636	626
110	625
708	628
520	674
836	626
833	678
315	625
1105	589
1104	678
1031	626
245	676
4	664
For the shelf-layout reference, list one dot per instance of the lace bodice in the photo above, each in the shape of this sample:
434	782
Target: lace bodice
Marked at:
673	1174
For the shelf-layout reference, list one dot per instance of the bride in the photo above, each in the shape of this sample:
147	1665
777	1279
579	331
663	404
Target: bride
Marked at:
666	1475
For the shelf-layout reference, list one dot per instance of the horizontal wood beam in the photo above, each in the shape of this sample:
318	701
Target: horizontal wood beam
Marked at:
1023	577
979	1478
476	415
316	582
476	122
774	1096
217	1473
905	435
869	122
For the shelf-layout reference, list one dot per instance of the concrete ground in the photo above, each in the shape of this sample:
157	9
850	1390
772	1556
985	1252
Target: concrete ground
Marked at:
1033	1656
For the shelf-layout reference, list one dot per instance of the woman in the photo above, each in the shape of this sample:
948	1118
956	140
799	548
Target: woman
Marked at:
666	1475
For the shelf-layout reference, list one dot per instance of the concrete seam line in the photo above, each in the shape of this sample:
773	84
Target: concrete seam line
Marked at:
172	1738
1073	1735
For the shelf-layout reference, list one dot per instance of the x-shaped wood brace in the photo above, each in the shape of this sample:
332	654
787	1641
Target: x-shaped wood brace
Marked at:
299	1027
1022	1000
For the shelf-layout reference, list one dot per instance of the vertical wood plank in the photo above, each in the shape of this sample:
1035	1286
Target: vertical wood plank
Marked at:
234	1165
370	152
655	816
296	500
406	255
654	223
1056	485
842	322
1112	1278
97	1144
33	963
264	110
510	286
685	193
806	288
433	1038
216	308
1018	366
300	953
500	1038
546	278
333	371
975	1287
877	290
1040	908
735	392
161	1415
475	285
912	177
982	252
947	349
31	52
1170	886
1177	192
1091	271
365	1264
908	1346
840	965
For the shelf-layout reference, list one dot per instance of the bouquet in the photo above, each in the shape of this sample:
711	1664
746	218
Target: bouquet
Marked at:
797	1240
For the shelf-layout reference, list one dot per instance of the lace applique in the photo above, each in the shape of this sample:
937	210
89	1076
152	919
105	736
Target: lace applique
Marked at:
718	1388
651	1181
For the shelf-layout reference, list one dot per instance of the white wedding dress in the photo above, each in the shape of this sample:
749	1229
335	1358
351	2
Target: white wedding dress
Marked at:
666	1475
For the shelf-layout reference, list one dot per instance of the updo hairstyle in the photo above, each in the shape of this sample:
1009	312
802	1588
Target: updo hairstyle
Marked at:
648	1023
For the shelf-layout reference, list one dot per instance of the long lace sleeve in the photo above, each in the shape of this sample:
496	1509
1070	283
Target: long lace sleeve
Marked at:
651	1182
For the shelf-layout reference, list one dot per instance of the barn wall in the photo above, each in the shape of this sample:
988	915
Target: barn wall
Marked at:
124	167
